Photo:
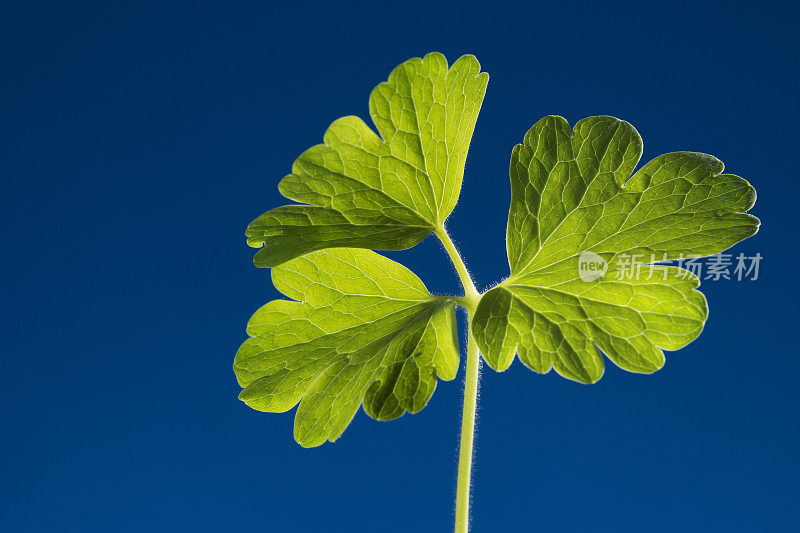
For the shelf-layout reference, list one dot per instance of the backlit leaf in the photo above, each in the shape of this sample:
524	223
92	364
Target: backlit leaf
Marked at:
384	192
362	329
571	194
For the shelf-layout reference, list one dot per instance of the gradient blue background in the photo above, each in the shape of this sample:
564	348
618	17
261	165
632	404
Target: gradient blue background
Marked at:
136	143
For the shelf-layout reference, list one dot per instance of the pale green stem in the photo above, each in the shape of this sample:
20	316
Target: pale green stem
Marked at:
470	301
467	434
471	295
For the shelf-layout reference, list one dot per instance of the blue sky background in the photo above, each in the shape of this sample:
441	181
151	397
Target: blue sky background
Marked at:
136	143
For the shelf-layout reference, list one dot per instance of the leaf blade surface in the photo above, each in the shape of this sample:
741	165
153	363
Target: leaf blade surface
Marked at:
362	329
572	193
384	192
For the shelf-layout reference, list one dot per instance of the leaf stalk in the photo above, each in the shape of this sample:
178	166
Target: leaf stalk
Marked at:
473	368
471	294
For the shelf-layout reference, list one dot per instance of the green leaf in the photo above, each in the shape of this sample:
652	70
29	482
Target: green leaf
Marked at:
387	192
363	329
571	192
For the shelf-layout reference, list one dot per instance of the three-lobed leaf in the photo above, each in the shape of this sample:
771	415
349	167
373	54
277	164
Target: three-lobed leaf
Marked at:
572	192
384	193
363	330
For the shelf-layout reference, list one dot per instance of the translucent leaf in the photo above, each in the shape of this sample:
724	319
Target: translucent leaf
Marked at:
572	194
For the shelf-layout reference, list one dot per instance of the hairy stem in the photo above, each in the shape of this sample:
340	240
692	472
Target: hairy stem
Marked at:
470	301
471	295
467	434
